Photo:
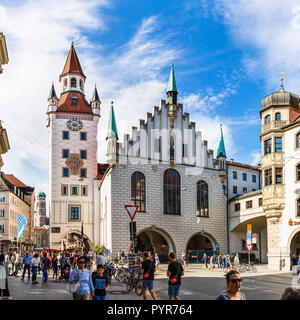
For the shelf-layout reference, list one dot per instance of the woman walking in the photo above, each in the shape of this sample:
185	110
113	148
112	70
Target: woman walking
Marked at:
156	259
35	267
83	276
4	277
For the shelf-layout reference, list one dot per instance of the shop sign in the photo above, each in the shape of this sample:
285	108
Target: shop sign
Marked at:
293	223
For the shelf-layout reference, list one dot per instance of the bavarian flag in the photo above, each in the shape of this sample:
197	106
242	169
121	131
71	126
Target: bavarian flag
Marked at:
22	222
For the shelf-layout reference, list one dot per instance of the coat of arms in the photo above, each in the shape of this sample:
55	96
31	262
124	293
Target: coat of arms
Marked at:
74	163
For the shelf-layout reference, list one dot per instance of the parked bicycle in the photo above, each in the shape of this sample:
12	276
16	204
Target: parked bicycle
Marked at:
135	282
247	268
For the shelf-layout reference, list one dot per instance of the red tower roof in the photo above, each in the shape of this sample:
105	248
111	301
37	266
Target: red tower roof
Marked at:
72	65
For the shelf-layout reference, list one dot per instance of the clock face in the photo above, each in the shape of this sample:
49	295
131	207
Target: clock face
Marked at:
74	125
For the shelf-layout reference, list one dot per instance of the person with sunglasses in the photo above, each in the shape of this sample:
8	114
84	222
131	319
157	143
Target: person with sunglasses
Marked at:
234	284
83	275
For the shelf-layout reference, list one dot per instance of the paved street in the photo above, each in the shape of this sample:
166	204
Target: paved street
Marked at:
197	284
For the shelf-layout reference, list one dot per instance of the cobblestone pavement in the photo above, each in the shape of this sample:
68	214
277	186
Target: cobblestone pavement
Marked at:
198	283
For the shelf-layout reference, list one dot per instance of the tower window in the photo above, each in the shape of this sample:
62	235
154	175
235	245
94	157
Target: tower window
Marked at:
268	177
298	140
268	146
74	101
84	190
298	172
202	199
65	172
253	178
172	192
83	136
278	177
64	190
74	213
74	190
277	116
237	207
65	135
65	83
83	154
234	189
65	153
138	191
83	173
267	119
81	84
278	144
298	207
245	190
249	204
73	83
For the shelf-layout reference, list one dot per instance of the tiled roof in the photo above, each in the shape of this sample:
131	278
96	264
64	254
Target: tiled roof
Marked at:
14	181
64	103
72	65
242	165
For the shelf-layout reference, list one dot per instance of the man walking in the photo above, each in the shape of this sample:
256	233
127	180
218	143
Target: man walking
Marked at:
175	271
27	264
45	267
101	259
147	271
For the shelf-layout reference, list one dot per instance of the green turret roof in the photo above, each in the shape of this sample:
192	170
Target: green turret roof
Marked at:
42	194
221	150
95	96
172	82
112	127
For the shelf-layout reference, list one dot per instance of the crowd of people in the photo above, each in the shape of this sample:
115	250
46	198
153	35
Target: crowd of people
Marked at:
84	284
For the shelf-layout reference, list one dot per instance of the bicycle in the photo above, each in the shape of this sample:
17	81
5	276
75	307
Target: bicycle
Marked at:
135	282
247	267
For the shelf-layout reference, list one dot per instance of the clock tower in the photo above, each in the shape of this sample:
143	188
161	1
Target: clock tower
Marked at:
72	126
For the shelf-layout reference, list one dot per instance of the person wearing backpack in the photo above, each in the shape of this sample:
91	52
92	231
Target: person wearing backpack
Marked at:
147	271
175	272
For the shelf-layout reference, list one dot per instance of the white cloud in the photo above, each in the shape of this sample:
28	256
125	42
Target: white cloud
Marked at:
268	30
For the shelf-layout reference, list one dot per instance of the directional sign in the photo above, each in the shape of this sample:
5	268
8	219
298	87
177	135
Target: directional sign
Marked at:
254	238
106	251
131	210
249	247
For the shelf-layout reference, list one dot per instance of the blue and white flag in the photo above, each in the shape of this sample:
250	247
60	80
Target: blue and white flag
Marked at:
22	222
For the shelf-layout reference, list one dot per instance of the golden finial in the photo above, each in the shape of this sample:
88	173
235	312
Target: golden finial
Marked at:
72	43
281	79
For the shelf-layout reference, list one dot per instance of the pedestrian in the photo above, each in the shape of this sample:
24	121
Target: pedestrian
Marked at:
27	265
4	277
54	265
294	262
290	294
234	284
211	263
35	266
205	259
101	259
183	260
175	272
298	265
46	264
83	275
236	261
156	259
147	271
101	283
219	261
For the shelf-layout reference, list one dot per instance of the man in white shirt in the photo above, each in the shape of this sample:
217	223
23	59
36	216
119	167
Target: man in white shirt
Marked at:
101	259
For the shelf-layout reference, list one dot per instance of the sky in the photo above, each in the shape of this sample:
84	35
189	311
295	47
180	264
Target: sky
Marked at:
227	55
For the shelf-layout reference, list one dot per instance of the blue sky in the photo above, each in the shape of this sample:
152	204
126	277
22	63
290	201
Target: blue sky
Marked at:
227	54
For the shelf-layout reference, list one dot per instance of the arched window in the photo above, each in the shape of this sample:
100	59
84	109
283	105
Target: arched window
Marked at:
277	116
298	172
298	140
267	119
172	195
73	83
65	83
298	207
81	84
138	191
202	199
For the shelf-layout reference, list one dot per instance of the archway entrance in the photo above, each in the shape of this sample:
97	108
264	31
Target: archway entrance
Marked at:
199	244
73	242
295	244
156	241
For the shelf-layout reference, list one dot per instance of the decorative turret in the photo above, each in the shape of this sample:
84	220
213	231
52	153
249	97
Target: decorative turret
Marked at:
95	102
112	138
222	157
172	97
52	100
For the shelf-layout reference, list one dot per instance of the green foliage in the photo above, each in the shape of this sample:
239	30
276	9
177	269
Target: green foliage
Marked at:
98	249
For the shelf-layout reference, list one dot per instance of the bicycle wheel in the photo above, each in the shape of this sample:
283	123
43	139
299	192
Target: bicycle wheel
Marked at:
139	287
129	286
243	268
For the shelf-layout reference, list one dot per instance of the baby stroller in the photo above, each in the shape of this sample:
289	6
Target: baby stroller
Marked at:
65	272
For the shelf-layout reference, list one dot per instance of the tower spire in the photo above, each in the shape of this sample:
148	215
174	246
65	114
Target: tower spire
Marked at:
112	127
172	97
95	95
221	150
52	94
